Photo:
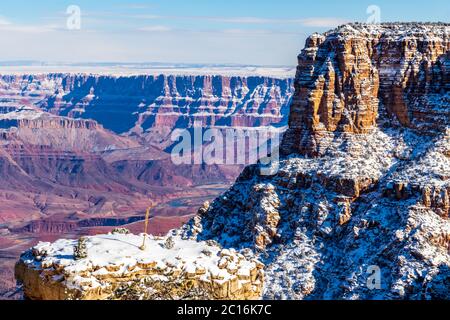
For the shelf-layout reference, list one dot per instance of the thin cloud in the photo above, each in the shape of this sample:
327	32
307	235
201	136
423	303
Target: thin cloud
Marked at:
244	31
222	31
29	28
138	6
6	25
306	22
146	16
4	22
244	20
255	32
155	29
323	22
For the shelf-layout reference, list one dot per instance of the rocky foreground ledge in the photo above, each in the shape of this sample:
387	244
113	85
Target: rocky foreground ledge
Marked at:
112	266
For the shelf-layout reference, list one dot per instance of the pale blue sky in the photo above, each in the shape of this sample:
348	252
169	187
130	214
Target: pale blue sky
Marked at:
263	32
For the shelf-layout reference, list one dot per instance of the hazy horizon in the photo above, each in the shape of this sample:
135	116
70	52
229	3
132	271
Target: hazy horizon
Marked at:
262	33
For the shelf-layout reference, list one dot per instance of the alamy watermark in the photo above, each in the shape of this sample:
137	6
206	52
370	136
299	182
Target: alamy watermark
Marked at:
73	21
227	146
374	277
374	13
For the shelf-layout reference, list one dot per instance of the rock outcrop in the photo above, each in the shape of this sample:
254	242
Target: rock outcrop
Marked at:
114	267
349	76
34	127
363	185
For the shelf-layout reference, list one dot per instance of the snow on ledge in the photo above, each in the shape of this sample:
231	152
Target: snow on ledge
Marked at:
114	258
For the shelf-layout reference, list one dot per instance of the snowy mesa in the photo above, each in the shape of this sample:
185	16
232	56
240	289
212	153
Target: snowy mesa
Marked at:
114	267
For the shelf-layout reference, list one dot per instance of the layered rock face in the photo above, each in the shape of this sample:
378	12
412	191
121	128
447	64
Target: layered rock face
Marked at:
66	116
346	78
38	128
145	103
359	208
53	165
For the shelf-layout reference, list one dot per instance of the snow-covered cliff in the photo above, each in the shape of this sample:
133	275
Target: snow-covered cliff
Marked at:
363	189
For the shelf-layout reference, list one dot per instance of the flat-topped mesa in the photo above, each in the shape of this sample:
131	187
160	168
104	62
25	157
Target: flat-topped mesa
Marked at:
112	266
38	128
32	118
49	123
360	75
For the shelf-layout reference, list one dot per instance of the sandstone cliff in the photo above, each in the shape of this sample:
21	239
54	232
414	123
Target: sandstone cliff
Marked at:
349	78
34	127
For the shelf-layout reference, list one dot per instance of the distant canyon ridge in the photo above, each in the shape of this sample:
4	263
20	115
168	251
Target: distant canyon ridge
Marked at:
81	152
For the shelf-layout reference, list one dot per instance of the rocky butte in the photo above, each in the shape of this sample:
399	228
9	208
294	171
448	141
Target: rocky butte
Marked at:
359	208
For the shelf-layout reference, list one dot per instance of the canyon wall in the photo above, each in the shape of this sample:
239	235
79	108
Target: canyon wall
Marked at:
81	153
67	134
359	207
140	103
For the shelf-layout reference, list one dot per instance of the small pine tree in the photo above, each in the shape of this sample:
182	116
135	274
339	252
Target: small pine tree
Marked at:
169	244
80	250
